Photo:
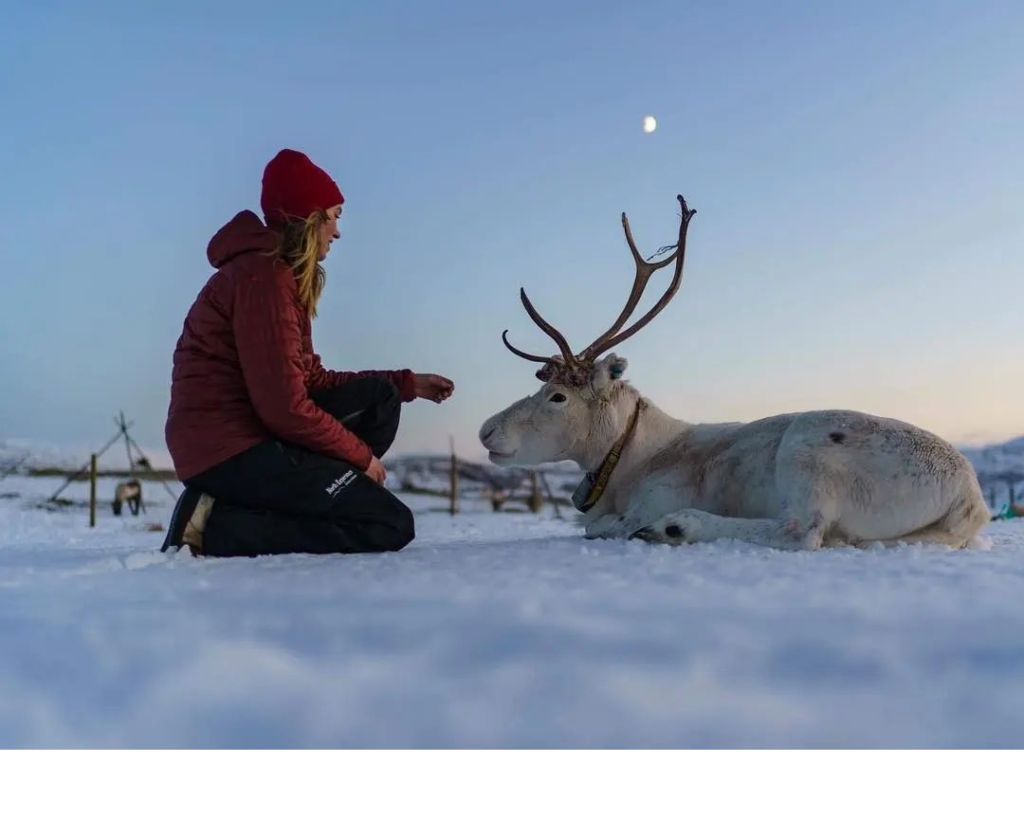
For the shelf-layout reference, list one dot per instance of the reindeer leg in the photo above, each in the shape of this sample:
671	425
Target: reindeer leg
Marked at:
602	527
658	494
689	526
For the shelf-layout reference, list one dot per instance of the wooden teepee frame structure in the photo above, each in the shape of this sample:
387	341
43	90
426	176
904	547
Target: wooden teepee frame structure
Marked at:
137	461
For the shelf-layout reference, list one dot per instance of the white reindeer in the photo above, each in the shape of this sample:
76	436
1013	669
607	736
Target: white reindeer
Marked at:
795	481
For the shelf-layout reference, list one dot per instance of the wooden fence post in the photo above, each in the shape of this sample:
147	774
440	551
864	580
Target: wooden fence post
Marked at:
92	491
454	509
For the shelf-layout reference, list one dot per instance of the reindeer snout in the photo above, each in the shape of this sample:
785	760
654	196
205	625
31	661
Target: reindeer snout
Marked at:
487	432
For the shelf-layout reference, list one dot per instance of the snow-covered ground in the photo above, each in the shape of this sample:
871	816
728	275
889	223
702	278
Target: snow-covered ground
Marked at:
499	631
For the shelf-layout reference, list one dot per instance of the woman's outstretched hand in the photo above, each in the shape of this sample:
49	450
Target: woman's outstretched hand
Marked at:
433	387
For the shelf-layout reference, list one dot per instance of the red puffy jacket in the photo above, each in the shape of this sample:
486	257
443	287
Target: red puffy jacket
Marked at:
244	365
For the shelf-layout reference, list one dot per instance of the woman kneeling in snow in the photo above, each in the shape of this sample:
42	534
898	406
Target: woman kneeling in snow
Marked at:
278	454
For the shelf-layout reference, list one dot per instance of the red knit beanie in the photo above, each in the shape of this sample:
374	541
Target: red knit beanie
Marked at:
294	187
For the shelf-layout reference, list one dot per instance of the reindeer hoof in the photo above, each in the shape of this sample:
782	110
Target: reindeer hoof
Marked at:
671	534
681	528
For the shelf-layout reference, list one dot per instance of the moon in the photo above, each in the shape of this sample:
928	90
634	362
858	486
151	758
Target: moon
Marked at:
650	124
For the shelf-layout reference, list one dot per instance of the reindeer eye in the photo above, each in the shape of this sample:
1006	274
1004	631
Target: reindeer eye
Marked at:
557	398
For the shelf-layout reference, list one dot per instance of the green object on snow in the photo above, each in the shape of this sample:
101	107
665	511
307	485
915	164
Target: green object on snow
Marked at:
1008	511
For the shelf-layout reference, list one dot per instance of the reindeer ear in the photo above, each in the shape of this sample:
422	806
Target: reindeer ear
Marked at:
606	370
616	366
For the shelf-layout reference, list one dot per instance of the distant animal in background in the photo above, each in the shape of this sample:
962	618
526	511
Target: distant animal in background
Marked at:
129	492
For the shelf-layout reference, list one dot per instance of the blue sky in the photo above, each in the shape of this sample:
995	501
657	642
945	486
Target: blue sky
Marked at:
857	171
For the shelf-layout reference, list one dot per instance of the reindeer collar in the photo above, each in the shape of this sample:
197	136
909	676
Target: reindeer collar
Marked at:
592	488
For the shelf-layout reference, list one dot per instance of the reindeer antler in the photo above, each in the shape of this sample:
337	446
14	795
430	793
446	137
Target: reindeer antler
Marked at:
568	358
525	355
644	270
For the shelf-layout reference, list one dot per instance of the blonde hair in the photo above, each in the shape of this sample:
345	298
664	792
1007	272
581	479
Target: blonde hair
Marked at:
300	248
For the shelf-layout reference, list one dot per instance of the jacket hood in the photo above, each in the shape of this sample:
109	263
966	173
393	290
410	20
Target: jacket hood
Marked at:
246	232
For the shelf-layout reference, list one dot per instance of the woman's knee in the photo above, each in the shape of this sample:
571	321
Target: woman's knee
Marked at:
386	395
368	399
